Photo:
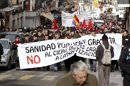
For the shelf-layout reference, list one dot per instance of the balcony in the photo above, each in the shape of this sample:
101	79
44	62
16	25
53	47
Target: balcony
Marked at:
31	14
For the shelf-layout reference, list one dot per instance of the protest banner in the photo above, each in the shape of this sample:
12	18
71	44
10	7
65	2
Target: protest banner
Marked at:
44	53
93	41
39	54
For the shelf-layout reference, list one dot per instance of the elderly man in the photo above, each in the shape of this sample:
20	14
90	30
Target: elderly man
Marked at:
78	76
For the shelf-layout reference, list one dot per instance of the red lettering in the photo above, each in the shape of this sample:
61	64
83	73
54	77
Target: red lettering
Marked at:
30	59
37	59
33	59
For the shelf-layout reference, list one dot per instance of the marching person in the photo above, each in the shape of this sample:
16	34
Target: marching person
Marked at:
78	76
104	69
124	63
125	39
93	62
57	66
14	47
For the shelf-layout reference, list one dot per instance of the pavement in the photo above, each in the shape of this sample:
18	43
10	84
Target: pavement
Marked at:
44	78
115	78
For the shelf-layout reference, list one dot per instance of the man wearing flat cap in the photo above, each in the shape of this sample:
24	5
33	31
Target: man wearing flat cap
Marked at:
104	69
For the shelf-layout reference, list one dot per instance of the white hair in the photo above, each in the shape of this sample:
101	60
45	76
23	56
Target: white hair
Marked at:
78	66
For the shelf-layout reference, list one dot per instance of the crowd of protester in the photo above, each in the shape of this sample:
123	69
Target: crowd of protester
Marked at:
111	24
43	33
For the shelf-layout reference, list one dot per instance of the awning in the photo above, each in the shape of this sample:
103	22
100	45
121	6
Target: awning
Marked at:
123	5
7	9
48	15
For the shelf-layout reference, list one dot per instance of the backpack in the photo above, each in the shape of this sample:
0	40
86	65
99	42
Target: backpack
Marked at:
106	55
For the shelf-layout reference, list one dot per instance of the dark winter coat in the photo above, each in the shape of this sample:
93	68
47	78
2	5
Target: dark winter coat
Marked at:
68	80
125	41
124	63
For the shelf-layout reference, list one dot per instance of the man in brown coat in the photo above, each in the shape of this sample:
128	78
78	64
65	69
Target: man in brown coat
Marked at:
78	76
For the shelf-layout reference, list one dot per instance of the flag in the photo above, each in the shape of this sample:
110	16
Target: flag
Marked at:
84	24
54	24
80	26
95	3
75	20
90	25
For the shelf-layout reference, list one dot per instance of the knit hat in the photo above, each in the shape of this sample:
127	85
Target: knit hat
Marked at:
104	37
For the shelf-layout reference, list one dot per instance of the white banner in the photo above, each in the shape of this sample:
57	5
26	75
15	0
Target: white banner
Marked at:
67	18
89	47
44	53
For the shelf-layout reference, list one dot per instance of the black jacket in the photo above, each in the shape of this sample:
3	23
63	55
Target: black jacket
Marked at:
125	41
124	62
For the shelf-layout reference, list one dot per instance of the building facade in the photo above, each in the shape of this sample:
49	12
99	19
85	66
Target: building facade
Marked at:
3	4
126	4
31	14
13	12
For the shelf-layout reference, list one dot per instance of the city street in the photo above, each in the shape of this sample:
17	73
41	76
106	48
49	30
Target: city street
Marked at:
40	37
43	78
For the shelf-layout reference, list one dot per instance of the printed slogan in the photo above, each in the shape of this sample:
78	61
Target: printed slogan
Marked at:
44	53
